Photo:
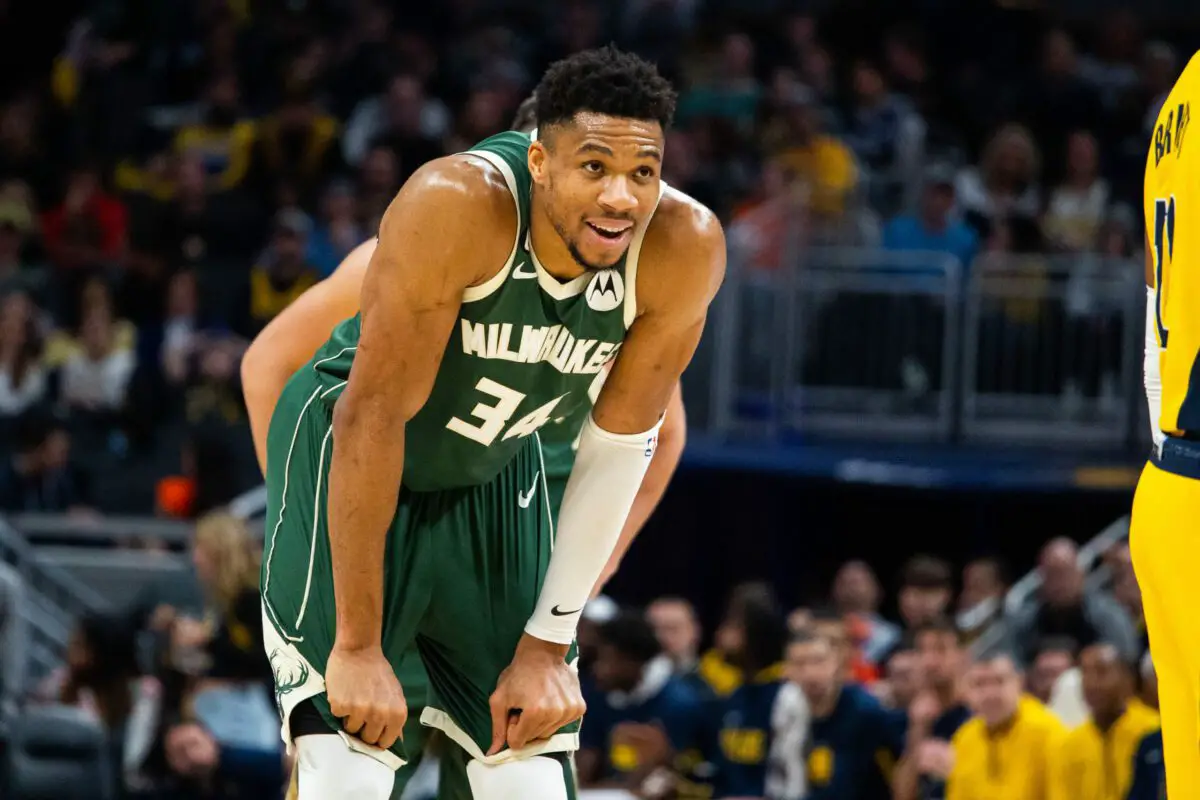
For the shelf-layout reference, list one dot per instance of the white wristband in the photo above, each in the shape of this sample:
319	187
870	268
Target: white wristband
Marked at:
605	480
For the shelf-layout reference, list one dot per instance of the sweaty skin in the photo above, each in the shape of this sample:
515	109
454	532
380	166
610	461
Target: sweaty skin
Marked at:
291	338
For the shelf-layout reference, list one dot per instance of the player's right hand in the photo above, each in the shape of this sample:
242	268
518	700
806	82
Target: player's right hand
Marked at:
364	692
535	696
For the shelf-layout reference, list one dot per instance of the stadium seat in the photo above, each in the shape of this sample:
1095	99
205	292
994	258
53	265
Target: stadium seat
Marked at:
59	753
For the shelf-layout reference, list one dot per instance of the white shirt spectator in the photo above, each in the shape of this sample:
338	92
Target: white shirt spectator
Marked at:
16	399
97	384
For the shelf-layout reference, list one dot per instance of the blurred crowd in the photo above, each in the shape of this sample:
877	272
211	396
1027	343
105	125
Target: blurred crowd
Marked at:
172	175
938	690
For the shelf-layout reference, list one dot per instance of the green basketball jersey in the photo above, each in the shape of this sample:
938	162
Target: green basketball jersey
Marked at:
527	350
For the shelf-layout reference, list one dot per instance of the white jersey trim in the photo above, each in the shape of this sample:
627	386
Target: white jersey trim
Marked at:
488	287
552	285
631	261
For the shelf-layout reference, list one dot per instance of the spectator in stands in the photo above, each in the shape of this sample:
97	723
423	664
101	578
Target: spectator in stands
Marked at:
761	725
1008	750
847	635
298	145
87	230
730	92
223	138
981	601
934	228
1059	99
283	274
820	165
16	227
404	119
926	589
642	718
1126	590
876	122
39	475
378	181
1053	656
1079	205
903	676
101	677
23	379
1004	187
1064	607
95	379
338	231
935	716
678	632
1098	757
856	593
719	667
853	740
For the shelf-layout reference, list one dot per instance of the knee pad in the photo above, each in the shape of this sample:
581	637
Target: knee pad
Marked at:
537	778
329	770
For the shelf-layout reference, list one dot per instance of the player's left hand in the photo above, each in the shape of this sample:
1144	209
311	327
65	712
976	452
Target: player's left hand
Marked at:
535	696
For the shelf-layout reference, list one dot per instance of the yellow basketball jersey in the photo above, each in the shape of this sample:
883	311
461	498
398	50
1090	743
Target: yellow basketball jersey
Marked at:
1172	208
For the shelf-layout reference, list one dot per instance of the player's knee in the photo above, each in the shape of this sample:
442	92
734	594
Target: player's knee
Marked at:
537	778
329	770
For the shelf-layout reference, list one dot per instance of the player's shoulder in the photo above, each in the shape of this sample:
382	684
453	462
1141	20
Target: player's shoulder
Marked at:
684	241
458	194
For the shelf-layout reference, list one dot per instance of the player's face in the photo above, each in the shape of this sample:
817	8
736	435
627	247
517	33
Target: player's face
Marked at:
598	178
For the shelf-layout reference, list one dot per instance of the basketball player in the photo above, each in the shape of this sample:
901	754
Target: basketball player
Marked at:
1162	540
290	340
408	496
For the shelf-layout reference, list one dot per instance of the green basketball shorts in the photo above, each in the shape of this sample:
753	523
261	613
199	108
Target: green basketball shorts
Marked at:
462	572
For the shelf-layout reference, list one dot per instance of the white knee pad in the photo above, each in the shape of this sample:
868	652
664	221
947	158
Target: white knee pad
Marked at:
537	778
329	770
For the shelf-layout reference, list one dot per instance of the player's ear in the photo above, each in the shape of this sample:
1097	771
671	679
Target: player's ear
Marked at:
538	159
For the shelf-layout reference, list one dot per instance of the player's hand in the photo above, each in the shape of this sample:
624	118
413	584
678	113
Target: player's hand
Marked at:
364	692
535	696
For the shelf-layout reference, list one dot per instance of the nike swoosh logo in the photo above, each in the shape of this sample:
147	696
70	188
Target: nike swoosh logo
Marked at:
524	272
525	498
558	613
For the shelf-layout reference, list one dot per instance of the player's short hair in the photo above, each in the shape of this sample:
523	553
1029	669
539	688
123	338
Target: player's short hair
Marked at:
926	572
526	117
630	635
604	81
939	625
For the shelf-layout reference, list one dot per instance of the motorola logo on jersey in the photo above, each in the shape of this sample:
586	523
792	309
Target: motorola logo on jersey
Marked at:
605	291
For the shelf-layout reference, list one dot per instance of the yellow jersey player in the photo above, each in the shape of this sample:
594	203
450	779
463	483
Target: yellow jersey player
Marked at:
1166	555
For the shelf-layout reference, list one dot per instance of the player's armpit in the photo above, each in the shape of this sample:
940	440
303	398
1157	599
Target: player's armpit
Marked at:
291	338
451	226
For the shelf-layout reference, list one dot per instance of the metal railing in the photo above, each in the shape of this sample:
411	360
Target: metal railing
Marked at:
1091	557
912	345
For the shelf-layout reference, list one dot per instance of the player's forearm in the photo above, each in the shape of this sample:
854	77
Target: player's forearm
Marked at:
604	482
905	778
658	476
364	481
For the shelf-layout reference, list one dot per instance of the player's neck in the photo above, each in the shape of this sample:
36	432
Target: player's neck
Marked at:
552	252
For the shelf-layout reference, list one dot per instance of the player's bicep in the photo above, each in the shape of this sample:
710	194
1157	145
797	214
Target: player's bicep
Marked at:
435	240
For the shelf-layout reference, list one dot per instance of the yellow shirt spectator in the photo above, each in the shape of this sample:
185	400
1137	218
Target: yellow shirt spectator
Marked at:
826	167
1013	762
1098	764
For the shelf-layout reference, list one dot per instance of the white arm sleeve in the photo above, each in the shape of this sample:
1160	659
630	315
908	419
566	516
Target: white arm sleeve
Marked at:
1150	366
605	480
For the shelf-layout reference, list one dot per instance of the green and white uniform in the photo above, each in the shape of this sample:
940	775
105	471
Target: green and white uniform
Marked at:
474	527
